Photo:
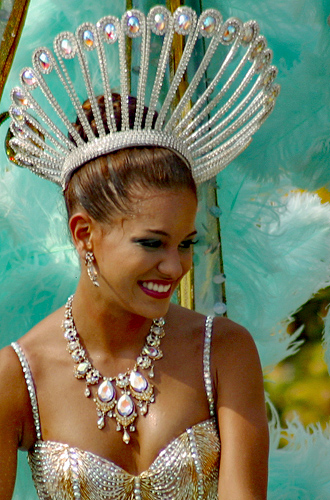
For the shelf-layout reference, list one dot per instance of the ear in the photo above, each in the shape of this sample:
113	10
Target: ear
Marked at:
81	227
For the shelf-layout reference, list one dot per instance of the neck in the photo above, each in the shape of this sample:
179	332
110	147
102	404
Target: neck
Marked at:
100	324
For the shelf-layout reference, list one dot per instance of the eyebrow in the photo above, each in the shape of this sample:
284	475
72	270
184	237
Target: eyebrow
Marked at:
164	233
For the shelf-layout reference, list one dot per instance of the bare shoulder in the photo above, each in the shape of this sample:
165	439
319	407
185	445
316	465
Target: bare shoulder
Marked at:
10	368
226	334
15	404
237	372
231	341
14	398
39	344
186	321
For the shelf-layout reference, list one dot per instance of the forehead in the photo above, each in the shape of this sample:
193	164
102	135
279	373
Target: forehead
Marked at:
162	209
159	200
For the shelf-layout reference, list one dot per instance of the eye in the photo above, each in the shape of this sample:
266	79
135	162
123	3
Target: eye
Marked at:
186	244
149	242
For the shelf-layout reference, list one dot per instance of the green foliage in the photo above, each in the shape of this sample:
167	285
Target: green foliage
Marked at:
300	385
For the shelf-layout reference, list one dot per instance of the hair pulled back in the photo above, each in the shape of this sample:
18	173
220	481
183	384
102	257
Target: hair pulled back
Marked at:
107	185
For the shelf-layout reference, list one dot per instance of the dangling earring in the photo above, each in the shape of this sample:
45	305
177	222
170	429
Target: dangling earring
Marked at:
91	271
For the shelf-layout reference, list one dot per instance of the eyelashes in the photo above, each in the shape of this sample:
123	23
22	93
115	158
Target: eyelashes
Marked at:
188	244
155	243
149	243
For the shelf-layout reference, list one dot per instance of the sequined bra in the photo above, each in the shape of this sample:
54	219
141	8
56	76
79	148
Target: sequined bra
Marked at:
187	469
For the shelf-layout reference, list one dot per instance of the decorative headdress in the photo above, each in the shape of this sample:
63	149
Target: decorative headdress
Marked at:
207	122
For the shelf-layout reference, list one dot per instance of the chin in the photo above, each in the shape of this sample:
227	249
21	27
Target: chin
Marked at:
156	310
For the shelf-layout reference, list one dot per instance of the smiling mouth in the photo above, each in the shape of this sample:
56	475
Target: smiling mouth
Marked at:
158	290
155	287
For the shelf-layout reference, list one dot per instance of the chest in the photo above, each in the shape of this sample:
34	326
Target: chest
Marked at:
185	468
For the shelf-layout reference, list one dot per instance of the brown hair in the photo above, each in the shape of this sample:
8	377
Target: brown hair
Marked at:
106	185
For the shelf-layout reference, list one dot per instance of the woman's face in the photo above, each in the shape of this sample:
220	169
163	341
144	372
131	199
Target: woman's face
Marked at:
141	257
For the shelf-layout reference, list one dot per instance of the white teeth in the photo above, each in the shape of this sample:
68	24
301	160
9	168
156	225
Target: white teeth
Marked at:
155	287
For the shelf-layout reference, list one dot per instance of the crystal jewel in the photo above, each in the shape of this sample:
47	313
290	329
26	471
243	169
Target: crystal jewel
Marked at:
106	392
29	78
272	96
122	380
66	47
73	345
78	355
157	330
209	24
92	377
160	21
257	49
143	361
110	31
151	351
138	382
153	340
44	61
17	114
133	24
82	368
184	22
19	98
67	323
268	80
248	34
88	38
229	33
125	405
69	335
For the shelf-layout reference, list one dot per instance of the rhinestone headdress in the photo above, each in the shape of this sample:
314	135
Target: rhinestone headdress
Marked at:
207	122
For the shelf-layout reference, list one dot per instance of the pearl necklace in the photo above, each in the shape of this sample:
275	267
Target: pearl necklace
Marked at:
117	397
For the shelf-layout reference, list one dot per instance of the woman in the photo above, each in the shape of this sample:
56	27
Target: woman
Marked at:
160	394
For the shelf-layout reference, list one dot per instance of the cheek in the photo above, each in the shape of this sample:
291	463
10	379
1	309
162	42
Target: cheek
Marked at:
187	261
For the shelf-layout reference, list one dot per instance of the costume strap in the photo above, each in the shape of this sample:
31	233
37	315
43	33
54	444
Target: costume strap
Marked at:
207	363
30	386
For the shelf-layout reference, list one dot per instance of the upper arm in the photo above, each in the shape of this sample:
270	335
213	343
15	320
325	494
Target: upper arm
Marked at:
14	404
241	415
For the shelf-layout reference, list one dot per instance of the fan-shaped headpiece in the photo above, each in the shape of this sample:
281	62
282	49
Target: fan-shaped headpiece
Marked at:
208	122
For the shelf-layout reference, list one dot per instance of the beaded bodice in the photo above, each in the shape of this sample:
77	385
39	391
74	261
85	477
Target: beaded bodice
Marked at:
186	469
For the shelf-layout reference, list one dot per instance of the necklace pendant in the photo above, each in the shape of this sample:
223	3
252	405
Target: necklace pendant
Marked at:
144	408
125	414
105	401
140	388
101	422
126	436
106	393
87	392
151	372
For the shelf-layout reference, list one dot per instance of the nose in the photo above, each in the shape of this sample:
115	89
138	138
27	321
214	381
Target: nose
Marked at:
171	266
